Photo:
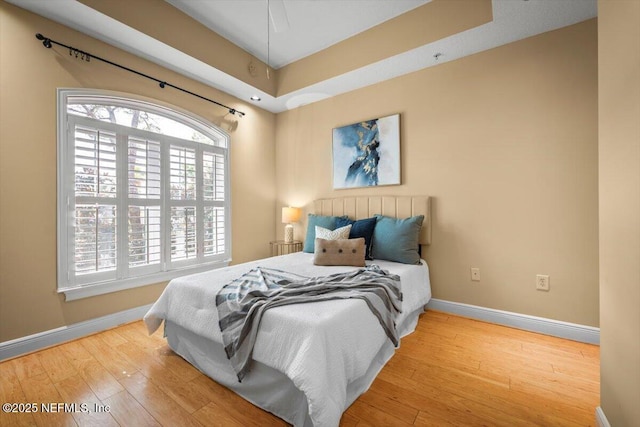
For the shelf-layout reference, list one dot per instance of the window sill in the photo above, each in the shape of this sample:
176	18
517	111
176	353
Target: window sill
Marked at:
87	291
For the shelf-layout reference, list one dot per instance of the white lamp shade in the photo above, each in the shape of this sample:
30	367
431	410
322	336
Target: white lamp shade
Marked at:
290	215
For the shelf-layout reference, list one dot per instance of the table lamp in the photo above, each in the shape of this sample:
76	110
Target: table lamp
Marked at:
289	216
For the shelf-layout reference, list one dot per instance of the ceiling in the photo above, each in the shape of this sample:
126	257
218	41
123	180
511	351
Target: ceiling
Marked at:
299	28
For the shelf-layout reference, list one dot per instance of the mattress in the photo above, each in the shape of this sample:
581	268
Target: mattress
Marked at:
318	356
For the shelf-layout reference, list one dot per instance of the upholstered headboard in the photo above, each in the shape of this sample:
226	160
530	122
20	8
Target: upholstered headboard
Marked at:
367	206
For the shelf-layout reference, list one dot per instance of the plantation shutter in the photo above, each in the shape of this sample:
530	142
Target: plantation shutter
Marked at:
214	199
197	198
144	178
142	195
95	188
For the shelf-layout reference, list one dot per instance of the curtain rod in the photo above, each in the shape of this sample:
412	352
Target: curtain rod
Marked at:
47	42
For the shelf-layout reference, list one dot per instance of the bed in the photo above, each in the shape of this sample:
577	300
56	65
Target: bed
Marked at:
310	361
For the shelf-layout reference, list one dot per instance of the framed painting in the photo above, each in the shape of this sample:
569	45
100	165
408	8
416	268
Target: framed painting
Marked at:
367	153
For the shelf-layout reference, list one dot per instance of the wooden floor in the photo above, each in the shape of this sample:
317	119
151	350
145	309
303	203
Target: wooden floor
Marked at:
451	371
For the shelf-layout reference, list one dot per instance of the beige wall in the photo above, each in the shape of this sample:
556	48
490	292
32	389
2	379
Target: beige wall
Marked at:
619	151
29	76
506	143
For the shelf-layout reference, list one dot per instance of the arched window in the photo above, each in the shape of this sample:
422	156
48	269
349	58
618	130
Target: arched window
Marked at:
143	193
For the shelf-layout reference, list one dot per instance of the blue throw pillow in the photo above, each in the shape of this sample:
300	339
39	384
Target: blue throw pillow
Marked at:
328	222
397	239
360	228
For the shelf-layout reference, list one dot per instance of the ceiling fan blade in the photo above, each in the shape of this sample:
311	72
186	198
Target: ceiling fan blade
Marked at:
278	14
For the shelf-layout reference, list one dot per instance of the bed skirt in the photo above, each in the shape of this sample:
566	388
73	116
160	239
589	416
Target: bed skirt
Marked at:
264	386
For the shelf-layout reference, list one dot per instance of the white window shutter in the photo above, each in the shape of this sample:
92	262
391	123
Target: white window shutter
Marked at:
145	202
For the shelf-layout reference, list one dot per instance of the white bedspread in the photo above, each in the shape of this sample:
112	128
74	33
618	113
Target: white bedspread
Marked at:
321	346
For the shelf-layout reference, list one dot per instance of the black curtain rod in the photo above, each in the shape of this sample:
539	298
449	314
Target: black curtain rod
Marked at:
47	42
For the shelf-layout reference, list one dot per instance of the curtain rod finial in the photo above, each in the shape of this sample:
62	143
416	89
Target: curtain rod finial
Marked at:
46	42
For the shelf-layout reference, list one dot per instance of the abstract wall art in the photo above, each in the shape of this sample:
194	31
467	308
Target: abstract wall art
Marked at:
367	153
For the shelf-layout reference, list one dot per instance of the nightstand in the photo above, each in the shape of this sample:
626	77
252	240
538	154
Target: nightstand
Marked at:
280	247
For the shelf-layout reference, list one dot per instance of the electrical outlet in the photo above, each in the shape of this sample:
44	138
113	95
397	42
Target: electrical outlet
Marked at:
475	274
542	282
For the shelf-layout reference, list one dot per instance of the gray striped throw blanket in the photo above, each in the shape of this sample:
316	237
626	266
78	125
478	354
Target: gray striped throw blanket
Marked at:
242	302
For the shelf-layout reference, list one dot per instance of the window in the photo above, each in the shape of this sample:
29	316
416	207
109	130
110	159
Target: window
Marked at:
143	193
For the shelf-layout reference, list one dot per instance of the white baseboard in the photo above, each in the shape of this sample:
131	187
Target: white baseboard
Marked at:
601	419
572	331
31	343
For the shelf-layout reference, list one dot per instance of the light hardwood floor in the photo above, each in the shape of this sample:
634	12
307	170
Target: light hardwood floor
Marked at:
451	371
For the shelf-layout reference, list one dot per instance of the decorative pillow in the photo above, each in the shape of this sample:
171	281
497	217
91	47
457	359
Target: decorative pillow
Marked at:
328	222
360	228
339	252
338	233
397	239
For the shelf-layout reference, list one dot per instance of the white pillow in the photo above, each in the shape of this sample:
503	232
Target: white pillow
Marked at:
338	233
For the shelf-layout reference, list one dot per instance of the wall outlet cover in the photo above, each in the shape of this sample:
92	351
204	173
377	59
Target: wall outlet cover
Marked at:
542	282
